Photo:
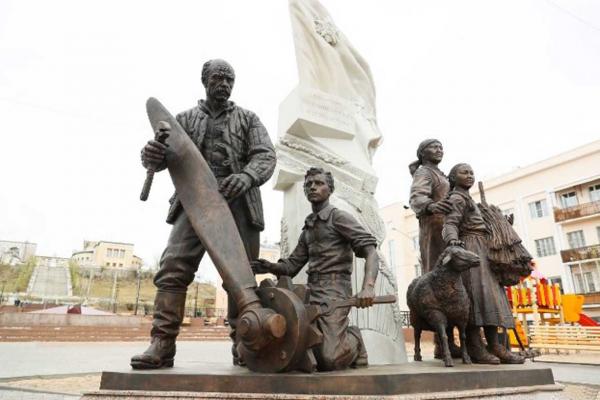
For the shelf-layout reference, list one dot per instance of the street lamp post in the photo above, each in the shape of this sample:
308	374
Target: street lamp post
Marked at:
196	301
2	292
137	292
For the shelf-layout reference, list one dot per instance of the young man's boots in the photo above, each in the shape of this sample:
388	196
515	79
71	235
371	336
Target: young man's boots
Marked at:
168	315
362	360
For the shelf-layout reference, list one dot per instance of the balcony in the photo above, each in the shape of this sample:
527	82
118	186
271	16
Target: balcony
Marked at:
591	298
580	253
578	211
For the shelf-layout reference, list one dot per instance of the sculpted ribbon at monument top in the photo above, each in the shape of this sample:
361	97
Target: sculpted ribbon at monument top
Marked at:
329	121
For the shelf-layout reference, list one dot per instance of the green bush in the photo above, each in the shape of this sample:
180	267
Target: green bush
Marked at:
75	273
24	275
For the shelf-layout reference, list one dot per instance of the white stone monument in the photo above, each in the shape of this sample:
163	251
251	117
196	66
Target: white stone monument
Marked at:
329	121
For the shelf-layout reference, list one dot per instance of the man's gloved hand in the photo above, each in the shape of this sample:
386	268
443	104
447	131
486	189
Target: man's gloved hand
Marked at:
234	185
365	297
154	155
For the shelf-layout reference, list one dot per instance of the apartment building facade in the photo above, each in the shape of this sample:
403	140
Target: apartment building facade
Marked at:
556	208
107	254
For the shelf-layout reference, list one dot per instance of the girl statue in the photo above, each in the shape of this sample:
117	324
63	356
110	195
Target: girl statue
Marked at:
464	226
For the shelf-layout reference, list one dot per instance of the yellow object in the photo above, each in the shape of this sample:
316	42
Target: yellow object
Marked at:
523	297
557	294
541	293
551	302
572	306
511	335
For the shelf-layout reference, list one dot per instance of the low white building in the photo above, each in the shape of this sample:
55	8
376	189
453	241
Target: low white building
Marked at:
13	252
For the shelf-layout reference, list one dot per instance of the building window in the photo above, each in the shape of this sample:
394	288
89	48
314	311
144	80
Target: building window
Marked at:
576	239
589	279
568	199
392	252
120	264
109	252
545	247
122	254
595	192
538	209
108	264
586	277
418	270
557	279
578	282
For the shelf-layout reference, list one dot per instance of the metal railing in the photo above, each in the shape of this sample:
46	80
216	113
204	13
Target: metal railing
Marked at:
405	319
580	253
578	211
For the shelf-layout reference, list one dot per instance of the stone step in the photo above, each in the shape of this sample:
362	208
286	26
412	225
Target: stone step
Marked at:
104	334
104	339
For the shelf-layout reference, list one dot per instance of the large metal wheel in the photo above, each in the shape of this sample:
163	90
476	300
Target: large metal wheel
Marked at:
293	350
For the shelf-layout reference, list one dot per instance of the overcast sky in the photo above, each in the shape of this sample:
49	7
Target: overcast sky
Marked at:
502	83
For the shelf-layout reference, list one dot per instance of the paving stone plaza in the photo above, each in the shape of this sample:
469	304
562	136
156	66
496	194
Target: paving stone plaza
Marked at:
49	371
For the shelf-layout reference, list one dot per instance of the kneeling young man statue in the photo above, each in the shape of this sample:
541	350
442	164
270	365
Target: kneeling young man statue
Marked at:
329	238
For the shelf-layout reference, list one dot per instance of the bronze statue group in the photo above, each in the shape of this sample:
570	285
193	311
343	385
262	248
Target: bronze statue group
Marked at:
239	152
449	217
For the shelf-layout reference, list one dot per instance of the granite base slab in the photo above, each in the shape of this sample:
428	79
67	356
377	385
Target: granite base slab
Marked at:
384	380
547	392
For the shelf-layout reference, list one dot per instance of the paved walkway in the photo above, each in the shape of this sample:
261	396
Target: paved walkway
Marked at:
27	395
52	358
36	359
591	358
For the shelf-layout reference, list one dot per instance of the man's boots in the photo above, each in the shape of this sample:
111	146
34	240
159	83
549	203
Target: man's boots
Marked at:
232	318
168	315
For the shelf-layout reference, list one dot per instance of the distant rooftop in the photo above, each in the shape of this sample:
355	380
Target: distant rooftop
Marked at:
16	241
517	173
97	242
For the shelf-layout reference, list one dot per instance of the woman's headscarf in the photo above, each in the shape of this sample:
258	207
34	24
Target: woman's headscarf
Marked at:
413	166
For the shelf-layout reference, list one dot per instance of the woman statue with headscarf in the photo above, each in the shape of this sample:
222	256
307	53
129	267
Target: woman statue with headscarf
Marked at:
428	200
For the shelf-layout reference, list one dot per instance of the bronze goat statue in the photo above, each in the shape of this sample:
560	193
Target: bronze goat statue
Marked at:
438	301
